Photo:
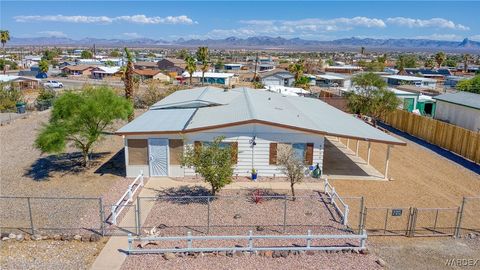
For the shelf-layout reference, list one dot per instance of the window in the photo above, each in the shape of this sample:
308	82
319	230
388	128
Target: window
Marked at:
137	151
176	151
302	151
233	147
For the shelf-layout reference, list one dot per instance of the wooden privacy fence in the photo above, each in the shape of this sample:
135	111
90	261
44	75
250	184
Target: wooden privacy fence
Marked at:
461	141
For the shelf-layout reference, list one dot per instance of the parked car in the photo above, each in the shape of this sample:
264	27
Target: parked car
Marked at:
53	84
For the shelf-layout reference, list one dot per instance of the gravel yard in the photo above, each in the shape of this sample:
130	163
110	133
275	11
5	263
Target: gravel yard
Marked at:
48	255
420	178
317	261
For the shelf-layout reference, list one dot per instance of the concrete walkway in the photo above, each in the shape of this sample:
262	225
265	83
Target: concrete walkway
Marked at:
111	257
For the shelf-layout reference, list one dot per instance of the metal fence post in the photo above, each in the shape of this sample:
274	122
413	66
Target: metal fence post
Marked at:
137	224
138	216
345	215
363	239
459	223
284	214
309	240
208	215
30	214
250	240
102	216
114	215
189	240
362	213
130	240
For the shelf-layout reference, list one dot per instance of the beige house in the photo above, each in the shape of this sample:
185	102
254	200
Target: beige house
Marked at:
150	74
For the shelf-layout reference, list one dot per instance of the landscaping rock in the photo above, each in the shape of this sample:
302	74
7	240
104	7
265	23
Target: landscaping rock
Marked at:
381	262
95	238
472	235
27	237
36	237
5	238
364	251
169	256
284	253
237	216
57	237
20	237
77	237
276	254
12	236
260	229
238	254
85	238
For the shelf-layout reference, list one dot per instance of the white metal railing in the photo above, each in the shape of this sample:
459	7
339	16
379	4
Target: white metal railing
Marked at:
250	238
127	197
332	196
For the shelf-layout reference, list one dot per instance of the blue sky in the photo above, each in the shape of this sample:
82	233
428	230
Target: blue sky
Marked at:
442	20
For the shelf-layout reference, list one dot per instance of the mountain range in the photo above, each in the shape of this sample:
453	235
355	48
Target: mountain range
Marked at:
262	42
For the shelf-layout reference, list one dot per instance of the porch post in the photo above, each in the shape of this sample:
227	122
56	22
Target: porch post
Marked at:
369	152
358	144
348	143
387	161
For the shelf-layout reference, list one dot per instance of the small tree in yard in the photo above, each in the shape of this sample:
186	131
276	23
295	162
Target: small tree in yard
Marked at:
213	162
81	119
292	166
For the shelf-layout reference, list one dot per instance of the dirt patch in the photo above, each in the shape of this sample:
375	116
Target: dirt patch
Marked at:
420	178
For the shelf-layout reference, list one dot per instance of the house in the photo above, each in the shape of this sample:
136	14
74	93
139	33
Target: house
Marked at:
254	123
145	65
103	72
461	109
438	74
333	80
151	74
226	79
394	80
451	81
277	77
266	67
232	67
288	91
85	70
19	82
172	65
345	69
415	102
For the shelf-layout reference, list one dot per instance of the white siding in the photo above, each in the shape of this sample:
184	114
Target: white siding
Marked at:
243	134
462	116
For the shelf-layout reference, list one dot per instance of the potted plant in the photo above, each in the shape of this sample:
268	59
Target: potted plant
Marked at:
254	175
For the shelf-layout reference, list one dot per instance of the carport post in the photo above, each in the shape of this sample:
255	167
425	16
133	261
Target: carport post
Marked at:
387	161
369	152
357	146
348	143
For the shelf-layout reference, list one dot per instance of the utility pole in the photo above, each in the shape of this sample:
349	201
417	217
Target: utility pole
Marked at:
255	74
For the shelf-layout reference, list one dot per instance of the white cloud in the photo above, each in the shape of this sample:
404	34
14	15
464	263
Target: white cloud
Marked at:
132	35
475	37
140	19
52	33
311	27
433	23
449	37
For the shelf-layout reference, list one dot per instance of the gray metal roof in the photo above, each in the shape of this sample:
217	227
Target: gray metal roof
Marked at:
245	105
461	98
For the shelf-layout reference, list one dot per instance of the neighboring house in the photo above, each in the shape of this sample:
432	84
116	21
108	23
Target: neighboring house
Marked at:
287	91
343	69
151	74
415	102
438	74
226	79
84	70
254	123
103	72
231	67
277	77
333	80
452	81
19	82
394	80
145	65
461	109
172	65
265	67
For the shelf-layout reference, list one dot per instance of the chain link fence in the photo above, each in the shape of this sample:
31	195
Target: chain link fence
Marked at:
469	221
36	215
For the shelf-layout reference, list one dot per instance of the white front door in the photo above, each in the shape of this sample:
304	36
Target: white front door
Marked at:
158	157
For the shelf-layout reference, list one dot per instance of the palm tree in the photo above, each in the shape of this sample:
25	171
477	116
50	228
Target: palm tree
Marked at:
128	81
297	69
466	58
191	66
362	50
440	58
4	38
202	56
